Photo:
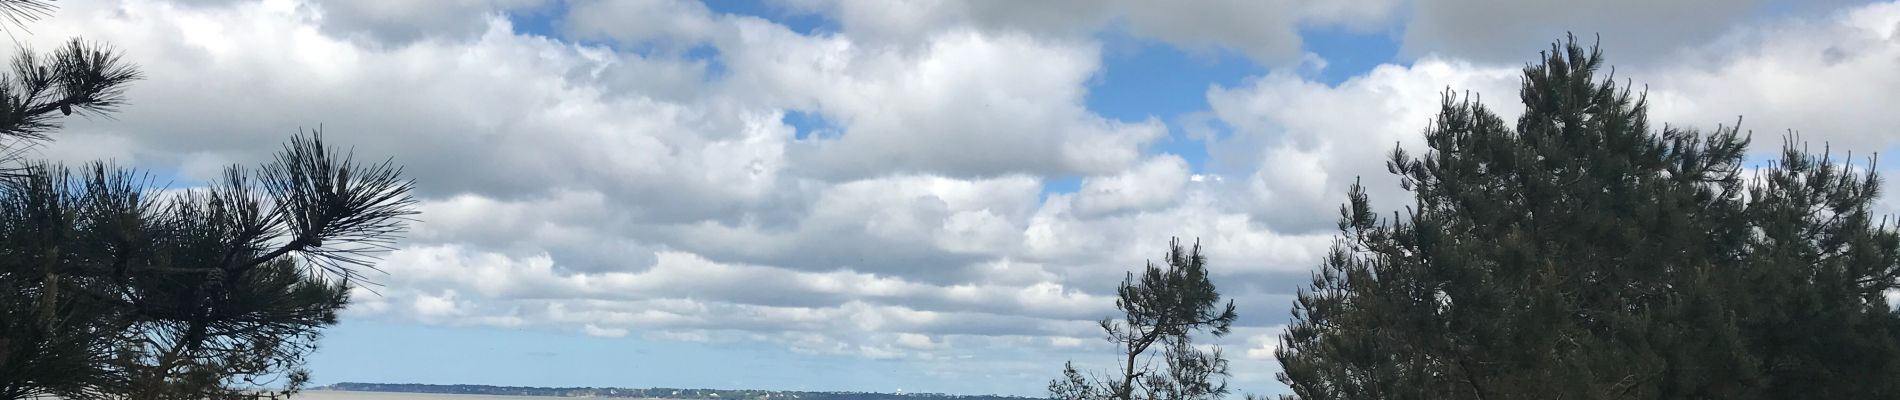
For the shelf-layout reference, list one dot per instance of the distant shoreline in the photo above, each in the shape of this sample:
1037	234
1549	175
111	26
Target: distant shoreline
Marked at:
647	393
440	394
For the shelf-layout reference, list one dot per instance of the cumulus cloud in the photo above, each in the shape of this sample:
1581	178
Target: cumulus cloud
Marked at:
396	23
1155	183
635	174
399	22
958	102
1642	32
432	306
1829	78
1267	31
227	82
1299	144
592	330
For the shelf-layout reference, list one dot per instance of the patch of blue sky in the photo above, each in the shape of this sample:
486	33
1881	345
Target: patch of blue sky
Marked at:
1142	78
1348	53
1060	184
545	20
540	20
808	125
167	178
162	174
715	69
367	350
363	350
807	23
1780	8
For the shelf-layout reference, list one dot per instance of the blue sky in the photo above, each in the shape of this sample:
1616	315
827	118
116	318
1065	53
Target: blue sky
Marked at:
1141	78
866	195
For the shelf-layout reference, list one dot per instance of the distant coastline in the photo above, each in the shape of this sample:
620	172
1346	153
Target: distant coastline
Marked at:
648	393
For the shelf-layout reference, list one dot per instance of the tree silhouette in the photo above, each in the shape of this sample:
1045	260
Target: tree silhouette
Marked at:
1163	307
113	288
1582	254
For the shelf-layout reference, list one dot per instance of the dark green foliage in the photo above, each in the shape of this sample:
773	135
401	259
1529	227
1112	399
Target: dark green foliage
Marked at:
1581	254
112	288
1165	306
134	292
78	77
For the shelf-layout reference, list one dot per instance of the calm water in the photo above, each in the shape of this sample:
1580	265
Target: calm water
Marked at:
343	395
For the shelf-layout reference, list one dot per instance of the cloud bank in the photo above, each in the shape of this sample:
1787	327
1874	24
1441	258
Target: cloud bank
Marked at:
638	171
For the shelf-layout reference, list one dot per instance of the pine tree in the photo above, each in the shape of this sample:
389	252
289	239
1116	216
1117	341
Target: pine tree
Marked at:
1582	254
113	288
121	290
1161	310
51	343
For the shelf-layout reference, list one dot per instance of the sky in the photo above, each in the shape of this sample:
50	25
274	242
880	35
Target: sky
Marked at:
916	195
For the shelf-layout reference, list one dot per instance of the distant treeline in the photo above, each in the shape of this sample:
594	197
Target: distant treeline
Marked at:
666	393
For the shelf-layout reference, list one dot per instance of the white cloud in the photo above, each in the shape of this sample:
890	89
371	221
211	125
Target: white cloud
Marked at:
644	187
965	104
1064	341
957	102
674	23
501	278
1262	346
432	306
1829	78
440	105
1264	30
1300	143
1154	183
1639	31
398	22
596	331
917	341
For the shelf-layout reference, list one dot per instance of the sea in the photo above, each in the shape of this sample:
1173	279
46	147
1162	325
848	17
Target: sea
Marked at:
347	395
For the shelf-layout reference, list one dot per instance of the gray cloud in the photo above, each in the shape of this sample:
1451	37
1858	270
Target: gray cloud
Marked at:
598	190
1640	31
1830	79
401	22
1267	31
